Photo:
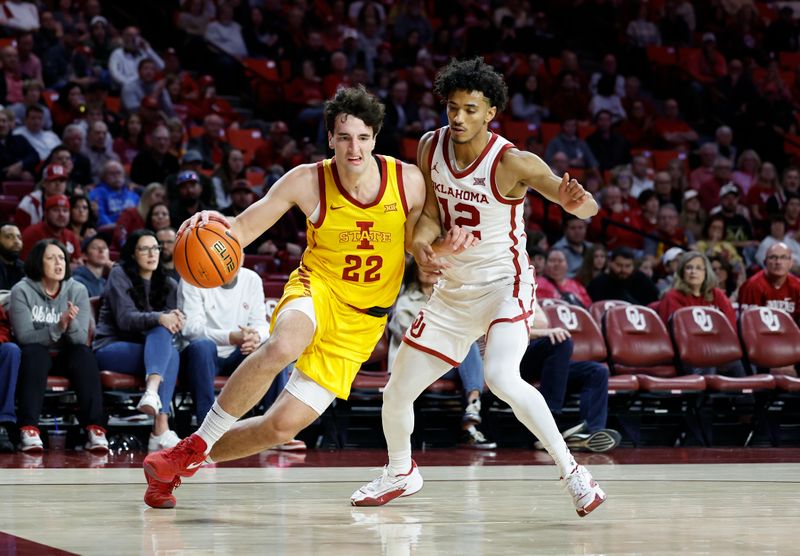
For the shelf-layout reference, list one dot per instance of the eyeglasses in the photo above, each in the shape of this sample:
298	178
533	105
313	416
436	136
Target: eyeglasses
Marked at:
152	249
773	258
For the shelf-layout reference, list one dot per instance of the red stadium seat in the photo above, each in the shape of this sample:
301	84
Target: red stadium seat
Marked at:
18	188
274	288
586	337
246	140
599	308
639	344
770	337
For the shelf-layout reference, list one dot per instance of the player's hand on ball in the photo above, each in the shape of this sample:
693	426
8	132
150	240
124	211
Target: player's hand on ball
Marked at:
202	218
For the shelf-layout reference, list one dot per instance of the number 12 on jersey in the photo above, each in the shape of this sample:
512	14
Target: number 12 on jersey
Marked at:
465	216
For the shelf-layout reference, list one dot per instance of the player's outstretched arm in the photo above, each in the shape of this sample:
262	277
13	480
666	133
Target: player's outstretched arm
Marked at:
527	170
294	188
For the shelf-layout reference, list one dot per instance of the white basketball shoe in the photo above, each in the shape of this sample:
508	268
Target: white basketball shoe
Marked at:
387	487
585	492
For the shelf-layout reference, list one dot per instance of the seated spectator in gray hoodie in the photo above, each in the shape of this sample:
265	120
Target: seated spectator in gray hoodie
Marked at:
50	313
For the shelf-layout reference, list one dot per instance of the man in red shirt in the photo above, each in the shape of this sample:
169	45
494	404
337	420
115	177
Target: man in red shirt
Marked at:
56	220
774	286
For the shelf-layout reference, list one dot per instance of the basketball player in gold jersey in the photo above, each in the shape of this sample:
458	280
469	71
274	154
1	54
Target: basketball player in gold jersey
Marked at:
361	210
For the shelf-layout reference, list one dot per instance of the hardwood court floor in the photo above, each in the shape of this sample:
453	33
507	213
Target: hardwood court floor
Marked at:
690	508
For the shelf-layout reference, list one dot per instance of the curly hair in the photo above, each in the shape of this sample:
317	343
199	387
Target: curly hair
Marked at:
472	75
357	102
160	287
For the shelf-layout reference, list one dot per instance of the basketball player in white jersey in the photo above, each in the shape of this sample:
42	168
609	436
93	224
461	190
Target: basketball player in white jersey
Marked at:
476	180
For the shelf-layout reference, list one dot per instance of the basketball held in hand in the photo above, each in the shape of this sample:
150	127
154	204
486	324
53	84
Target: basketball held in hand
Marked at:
208	256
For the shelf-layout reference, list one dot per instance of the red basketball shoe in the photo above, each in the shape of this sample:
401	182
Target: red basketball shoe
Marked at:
183	460
159	495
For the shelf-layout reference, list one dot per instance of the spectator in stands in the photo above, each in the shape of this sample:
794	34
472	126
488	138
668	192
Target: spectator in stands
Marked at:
614	211
662	187
609	147
704	173
166	239
766	186
573	244
158	218
641	174
418	287
131	140
54	226
100	43
638	129
31	96
578	152
595	263
669	263
138	320
695	286
675	31
11	78
607	99
154	163
67	60
192	160
146	85
29	63
241	198
568	101
210	144
112	194
672	130
230	170
18	159
774	286
737	219
693	217
96	263
668	231
188	201
50	312
402	119
778	234
623	281
69	155
133	218
781	34
82	220
70	107
11	267
40	139
724	142
124	60
31	208
97	150
226	34
648	204
642	32
790	185
728	280
547	360
223	326
791	213
9	371
528	104
554	284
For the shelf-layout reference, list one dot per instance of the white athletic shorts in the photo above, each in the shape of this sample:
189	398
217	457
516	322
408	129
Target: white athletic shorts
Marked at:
454	318
314	395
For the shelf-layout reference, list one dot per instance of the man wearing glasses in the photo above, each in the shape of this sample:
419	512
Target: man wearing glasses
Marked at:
774	286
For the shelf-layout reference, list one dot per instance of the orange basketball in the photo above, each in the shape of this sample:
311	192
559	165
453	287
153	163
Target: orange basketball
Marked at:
208	256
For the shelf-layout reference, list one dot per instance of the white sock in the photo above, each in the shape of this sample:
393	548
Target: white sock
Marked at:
216	423
399	464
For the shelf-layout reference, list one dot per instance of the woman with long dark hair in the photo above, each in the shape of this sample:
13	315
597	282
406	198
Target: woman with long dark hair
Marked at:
136	328
50	312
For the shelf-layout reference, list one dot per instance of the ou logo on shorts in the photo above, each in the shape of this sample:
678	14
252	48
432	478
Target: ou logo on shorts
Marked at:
702	319
636	318
769	318
567	317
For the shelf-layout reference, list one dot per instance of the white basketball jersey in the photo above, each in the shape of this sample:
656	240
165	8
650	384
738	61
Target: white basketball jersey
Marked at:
471	199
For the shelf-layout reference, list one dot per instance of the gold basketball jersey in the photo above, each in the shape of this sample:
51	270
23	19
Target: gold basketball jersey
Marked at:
359	248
